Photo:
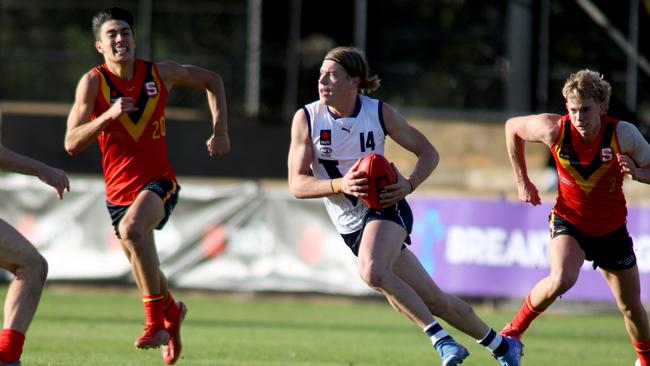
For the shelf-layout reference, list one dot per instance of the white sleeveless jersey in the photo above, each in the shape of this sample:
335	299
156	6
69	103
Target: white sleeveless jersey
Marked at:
337	144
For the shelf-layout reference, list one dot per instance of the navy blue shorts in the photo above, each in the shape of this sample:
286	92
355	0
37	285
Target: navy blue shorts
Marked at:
399	213
166	189
613	251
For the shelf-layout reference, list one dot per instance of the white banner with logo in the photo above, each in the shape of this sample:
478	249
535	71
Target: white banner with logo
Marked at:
234	237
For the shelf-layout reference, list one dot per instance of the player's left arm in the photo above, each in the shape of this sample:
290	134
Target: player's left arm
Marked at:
414	141
635	152
190	76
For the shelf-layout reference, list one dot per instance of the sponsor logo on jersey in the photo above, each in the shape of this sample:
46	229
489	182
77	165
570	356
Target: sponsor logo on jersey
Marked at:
326	151
564	152
326	137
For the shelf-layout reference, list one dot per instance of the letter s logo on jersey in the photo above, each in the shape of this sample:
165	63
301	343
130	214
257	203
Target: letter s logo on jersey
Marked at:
151	88
606	154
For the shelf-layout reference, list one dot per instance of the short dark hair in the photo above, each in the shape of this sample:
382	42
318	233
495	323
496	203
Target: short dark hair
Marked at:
111	14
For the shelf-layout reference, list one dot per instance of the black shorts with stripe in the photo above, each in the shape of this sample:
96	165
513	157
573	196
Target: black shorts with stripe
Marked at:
399	213
166	189
613	251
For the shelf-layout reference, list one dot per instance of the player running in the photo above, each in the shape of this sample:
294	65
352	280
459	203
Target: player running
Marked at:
121	104
327	137
592	152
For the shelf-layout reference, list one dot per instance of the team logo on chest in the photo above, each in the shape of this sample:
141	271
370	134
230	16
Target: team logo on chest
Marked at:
326	137
145	102
606	154
590	170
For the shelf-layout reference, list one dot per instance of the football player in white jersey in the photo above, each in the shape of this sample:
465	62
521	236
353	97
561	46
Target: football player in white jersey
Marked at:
327	138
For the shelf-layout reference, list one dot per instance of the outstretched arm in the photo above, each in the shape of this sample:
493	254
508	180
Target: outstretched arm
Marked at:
18	163
635	157
519	130
414	141
189	76
82	131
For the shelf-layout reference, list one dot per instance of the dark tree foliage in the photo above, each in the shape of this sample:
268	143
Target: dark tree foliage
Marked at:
430	54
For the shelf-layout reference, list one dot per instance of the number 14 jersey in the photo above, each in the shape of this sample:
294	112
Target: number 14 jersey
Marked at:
337	144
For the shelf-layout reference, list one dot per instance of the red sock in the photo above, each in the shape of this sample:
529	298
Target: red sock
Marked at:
170	308
526	314
11	345
642	351
153	310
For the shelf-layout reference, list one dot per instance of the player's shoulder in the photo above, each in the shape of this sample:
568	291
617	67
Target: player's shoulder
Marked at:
627	131
166	63
169	69
89	81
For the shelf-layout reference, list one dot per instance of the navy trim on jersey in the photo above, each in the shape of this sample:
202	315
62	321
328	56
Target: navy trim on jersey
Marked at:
355	114
308	120
380	114
357	108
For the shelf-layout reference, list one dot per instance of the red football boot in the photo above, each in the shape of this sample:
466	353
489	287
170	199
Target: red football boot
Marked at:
172	351
510	331
152	337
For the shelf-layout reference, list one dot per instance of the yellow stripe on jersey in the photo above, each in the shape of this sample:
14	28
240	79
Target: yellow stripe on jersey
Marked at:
587	183
135	129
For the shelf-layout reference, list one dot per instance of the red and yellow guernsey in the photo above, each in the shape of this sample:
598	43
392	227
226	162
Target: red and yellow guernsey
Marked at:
134	148
590	182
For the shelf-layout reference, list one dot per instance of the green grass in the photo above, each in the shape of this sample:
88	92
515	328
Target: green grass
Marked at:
92	327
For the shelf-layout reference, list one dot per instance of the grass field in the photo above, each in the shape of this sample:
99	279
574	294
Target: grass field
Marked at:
93	327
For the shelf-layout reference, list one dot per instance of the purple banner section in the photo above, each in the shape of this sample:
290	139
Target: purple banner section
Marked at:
479	247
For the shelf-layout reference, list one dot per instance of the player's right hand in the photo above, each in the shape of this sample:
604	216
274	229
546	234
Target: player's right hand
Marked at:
120	106
355	183
529	193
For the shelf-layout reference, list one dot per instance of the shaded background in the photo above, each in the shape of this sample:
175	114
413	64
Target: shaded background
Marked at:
462	60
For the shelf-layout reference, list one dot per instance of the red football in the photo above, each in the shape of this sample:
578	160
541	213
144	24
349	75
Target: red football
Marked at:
379	172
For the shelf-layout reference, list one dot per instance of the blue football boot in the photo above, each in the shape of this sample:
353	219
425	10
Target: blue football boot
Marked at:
451	352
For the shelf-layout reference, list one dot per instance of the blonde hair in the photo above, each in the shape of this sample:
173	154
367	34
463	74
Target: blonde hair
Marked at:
586	84
354	62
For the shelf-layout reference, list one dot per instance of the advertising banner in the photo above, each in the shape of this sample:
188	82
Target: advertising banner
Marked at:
245	237
498	248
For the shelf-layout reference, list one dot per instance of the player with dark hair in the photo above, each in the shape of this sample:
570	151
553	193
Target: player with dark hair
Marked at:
121	104
20	257
593	152
327	138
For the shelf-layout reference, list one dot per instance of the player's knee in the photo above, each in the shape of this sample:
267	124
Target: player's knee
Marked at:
561	284
131	232
42	269
35	270
373	276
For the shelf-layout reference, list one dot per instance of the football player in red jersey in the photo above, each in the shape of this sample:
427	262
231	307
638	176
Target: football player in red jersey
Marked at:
328	136
20	257
593	152
121	104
